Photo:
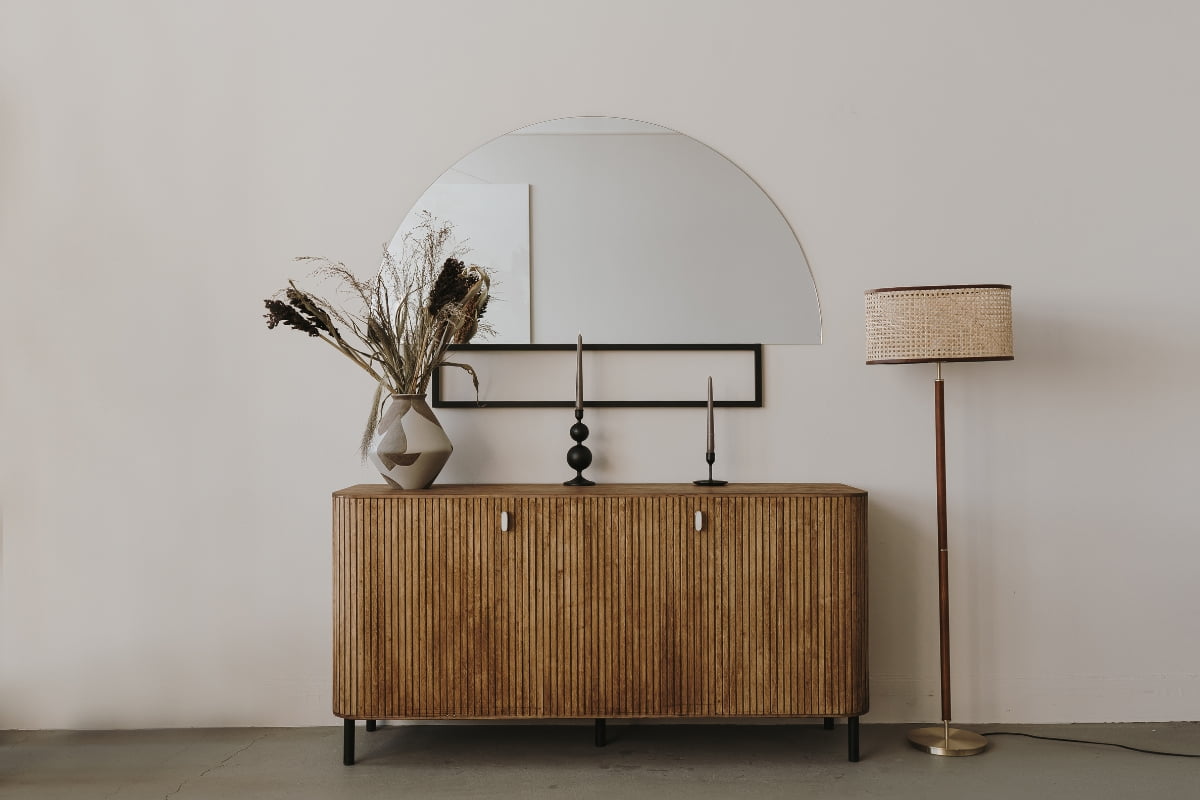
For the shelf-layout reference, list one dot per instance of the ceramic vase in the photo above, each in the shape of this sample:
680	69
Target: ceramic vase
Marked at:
409	447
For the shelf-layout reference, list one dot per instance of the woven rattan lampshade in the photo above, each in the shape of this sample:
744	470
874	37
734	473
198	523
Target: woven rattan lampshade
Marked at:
910	324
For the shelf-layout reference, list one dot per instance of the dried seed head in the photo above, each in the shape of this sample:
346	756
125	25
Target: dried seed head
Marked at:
282	313
451	286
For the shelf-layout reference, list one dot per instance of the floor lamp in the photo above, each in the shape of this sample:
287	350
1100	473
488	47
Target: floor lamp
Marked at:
917	324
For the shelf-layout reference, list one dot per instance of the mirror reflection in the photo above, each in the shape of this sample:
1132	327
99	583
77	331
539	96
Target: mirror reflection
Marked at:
628	232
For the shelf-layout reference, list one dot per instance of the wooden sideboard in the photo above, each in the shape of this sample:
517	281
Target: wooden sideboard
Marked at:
641	600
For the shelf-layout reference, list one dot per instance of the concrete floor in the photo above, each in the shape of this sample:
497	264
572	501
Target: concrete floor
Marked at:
560	761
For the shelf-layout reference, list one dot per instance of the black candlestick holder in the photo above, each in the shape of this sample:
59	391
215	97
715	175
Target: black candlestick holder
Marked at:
579	457
710	457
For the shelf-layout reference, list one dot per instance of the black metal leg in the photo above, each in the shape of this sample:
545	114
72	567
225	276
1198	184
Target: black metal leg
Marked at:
348	742
370	726
600	738
829	723
852	737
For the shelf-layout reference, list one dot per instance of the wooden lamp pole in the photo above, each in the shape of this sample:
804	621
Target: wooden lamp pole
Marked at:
944	740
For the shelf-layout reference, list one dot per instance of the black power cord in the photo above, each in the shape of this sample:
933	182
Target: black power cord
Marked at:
1089	741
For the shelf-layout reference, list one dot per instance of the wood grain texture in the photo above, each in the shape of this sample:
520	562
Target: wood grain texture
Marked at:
365	490
600	603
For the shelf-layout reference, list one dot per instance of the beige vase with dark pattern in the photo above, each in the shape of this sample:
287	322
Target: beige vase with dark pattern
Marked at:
409	447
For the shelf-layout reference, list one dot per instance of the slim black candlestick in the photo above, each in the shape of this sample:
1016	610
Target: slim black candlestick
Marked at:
579	457
710	457
710	454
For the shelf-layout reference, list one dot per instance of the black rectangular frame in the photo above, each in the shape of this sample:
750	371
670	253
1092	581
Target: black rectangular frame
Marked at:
438	402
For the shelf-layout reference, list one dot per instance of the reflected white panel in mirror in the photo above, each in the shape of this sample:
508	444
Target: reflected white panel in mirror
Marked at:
640	234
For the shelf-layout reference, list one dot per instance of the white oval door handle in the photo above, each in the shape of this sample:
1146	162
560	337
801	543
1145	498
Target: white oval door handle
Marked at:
699	520
505	521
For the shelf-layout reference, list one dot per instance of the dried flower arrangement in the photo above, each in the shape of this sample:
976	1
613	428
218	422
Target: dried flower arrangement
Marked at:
423	300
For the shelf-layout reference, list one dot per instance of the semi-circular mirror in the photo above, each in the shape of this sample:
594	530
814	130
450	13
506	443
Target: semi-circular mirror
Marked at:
628	232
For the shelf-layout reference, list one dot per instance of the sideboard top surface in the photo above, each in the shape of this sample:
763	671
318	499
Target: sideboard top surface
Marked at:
366	490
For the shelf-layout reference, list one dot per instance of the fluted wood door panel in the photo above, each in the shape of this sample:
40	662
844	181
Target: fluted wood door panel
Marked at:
797	600
626	595
696	574
652	640
439	613
599	603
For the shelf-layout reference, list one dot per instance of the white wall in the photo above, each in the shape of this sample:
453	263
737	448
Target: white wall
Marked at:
167	461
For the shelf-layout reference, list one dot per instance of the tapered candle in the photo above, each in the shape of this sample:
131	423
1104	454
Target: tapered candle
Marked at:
711	449
579	373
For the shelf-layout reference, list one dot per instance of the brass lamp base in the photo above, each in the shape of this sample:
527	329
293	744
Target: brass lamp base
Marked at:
946	741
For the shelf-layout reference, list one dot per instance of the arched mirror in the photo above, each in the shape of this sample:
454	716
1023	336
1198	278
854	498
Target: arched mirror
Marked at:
628	232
